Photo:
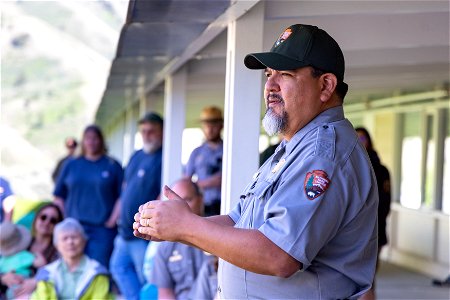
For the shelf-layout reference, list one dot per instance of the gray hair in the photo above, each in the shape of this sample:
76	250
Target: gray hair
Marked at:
68	224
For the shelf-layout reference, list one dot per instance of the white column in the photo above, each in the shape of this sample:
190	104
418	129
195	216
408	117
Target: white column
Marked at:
116	139
243	95
174	123
129	132
142	105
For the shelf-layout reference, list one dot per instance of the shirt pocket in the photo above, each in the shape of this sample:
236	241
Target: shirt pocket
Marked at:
260	191
260	194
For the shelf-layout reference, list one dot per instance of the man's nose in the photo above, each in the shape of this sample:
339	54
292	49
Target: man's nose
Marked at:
272	84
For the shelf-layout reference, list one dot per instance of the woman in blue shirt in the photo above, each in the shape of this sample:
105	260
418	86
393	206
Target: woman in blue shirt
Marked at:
88	189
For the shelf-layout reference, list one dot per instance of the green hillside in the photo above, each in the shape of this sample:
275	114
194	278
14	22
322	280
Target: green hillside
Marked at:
54	62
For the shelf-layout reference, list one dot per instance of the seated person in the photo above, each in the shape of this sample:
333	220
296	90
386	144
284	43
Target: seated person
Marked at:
176	265
15	258
205	286
41	245
74	275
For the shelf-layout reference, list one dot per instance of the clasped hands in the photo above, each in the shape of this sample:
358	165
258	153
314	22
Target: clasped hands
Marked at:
159	220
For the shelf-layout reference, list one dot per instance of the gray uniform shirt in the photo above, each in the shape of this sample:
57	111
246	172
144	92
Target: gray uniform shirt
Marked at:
205	286
316	198
176	266
205	162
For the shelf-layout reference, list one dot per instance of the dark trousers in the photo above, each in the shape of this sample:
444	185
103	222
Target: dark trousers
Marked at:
100	243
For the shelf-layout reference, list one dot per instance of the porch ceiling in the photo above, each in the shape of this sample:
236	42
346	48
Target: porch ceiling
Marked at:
391	47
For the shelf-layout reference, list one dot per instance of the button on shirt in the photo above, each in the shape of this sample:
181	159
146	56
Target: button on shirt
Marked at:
316	198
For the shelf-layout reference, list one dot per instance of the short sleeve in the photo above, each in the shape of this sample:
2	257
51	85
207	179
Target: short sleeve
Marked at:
61	189
160	275
305	210
190	166
235	213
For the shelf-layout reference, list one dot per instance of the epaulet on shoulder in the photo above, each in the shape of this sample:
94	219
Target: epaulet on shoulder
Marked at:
325	141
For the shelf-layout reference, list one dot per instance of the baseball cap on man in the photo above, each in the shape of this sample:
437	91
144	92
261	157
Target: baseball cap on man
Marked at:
300	46
151	117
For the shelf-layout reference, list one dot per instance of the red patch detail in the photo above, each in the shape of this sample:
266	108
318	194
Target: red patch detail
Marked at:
316	183
283	36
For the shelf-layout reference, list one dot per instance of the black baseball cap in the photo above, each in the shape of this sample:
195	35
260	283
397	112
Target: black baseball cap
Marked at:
151	117
300	46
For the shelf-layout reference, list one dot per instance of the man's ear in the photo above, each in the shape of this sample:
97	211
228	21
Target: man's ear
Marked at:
329	84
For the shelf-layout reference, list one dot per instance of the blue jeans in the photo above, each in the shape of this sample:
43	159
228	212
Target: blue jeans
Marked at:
127	262
100	243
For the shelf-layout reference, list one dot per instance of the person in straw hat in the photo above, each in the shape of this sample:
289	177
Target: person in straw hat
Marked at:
205	163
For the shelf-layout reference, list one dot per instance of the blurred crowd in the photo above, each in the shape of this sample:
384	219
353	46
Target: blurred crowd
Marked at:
81	245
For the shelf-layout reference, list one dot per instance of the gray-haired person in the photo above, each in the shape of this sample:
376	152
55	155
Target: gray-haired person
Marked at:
74	275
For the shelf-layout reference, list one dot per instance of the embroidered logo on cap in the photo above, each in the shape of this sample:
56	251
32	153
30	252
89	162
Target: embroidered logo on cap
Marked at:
316	183
284	36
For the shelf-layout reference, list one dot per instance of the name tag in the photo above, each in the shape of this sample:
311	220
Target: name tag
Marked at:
278	166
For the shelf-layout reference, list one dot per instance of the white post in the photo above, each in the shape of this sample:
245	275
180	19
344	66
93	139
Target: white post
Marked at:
129	133
174	123
142	105
243	94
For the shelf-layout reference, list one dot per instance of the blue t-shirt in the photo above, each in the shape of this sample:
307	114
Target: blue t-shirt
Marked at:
89	188
142	184
5	192
205	162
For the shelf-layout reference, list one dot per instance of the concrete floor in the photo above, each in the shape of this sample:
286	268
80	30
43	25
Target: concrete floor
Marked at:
394	282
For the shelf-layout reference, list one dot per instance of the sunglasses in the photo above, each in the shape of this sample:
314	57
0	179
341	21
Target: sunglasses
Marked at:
51	219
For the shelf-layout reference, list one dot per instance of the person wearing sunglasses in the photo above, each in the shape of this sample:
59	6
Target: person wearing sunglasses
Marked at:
47	216
41	246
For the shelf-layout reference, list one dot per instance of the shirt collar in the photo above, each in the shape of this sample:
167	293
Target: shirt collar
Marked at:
330	115
78	268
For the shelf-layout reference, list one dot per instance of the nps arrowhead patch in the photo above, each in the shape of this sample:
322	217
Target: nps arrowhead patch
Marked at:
316	183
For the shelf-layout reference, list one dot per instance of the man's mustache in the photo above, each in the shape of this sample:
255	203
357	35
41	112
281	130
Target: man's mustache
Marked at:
270	97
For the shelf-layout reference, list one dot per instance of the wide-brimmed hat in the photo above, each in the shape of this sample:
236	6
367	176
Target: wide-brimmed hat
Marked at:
13	238
211	114
300	46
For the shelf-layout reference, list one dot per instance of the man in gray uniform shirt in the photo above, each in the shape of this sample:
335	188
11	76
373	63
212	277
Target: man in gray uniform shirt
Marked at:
176	265
306	226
